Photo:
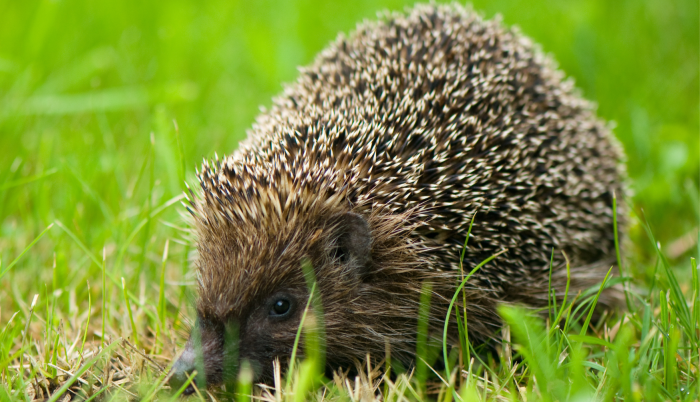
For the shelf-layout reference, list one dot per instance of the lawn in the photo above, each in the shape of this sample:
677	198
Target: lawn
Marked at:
106	108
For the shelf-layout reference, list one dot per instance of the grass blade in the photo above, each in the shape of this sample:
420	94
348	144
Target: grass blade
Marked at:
298	336
593	304
452	302
16	260
617	253
131	317
26	180
104	296
87	324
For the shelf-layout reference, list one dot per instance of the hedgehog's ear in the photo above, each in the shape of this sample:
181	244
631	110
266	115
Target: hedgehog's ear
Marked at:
354	242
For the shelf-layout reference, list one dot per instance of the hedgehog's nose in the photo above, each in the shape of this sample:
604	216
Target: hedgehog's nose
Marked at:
182	370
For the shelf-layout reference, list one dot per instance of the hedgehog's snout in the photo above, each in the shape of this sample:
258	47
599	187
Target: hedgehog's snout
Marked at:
182	370
203	355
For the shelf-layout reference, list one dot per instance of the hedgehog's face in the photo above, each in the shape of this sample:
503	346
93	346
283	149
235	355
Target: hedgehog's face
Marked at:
217	346
252	313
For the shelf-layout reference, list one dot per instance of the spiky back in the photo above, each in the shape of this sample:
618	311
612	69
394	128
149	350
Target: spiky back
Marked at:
443	114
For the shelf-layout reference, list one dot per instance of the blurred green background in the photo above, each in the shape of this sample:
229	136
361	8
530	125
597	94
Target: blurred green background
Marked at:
85	86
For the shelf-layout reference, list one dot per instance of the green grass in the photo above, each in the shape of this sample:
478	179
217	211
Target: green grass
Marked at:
106	107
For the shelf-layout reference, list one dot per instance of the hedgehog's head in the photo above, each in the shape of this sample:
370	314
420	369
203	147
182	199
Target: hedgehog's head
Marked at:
254	245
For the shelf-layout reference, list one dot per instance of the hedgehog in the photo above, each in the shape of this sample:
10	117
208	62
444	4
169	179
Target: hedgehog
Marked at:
371	168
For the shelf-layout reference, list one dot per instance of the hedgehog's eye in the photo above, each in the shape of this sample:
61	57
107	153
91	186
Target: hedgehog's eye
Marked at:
280	307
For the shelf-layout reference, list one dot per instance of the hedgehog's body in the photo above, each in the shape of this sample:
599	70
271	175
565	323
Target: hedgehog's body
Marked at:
373	164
